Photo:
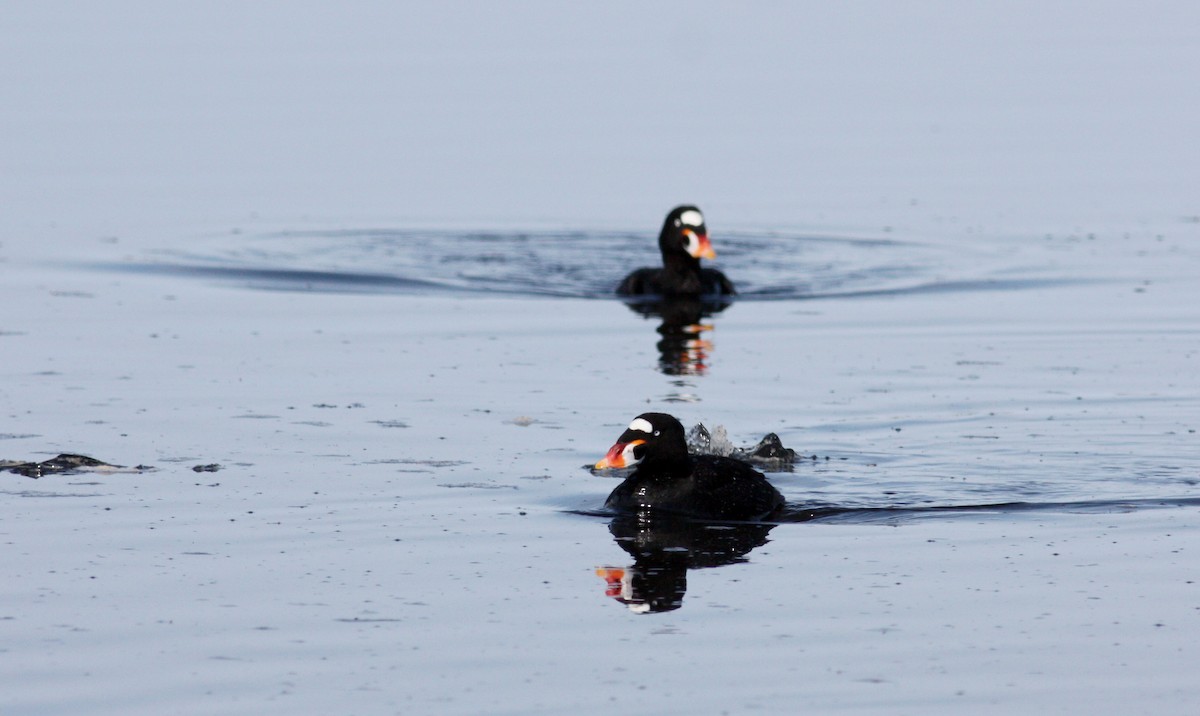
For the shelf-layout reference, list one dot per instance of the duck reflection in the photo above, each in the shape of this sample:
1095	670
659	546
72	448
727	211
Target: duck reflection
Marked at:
664	547
683	349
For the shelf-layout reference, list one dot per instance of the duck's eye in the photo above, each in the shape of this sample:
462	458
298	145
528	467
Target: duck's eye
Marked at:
656	433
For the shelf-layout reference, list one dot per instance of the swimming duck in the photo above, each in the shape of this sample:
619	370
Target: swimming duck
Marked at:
669	479
683	242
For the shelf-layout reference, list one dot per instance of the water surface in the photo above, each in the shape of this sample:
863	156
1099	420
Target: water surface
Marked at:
343	279
1002	498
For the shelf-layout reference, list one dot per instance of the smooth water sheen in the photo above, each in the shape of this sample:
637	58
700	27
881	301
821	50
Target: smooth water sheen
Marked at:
404	518
588	264
342	278
1049	355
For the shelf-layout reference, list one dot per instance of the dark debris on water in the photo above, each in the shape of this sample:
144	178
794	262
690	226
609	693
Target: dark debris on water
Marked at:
66	464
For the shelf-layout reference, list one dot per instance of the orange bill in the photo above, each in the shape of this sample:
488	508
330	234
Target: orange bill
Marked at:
616	455
702	248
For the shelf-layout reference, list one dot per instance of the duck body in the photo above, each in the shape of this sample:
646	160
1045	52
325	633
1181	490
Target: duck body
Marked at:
667	282
683	241
718	488
668	479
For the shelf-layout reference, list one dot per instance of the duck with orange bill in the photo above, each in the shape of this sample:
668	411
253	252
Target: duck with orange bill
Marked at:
683	241
666	478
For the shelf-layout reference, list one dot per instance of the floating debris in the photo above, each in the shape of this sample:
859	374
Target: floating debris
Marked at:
66	463
478	485
390	423
211	467
411	461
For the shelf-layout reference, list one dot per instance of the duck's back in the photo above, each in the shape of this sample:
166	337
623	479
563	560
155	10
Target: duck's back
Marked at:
641	282
658	282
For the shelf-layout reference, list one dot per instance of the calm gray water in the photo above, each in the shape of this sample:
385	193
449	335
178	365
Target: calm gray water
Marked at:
361	262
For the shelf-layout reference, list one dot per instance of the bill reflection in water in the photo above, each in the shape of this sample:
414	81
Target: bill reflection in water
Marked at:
664	547
683	349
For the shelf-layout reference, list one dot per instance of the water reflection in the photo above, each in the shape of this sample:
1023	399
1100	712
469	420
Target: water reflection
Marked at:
664	547
683	349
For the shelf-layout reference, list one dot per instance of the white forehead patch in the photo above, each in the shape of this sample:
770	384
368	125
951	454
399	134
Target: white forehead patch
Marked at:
691	217
641	425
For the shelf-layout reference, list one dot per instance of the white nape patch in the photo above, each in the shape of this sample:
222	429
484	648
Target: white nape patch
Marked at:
641	425
691	217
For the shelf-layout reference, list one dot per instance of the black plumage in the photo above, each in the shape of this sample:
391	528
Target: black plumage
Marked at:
669	479
683	242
